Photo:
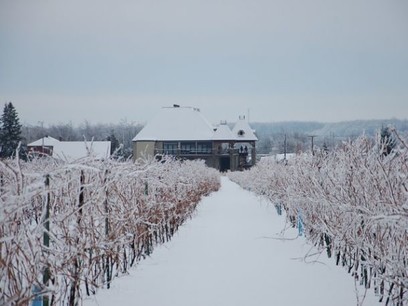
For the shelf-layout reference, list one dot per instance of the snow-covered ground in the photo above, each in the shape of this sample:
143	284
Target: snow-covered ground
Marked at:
231	253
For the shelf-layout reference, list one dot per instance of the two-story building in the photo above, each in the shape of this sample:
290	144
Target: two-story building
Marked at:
185	133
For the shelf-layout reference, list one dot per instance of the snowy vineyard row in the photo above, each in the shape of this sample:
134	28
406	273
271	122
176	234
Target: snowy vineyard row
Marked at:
353	203
68	229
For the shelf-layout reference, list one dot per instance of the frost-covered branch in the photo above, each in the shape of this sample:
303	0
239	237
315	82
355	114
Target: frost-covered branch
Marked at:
103	217
352	202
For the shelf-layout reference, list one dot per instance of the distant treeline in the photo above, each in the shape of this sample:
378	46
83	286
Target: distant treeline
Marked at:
272	134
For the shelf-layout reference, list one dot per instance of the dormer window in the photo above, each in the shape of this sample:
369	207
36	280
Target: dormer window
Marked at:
241	133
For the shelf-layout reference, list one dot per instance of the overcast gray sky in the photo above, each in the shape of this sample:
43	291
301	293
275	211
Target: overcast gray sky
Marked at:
105	61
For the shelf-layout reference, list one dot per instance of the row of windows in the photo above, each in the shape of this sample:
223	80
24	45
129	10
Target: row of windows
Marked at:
173	148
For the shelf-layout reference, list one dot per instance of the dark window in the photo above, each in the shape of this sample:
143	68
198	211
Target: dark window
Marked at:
188	148
170	148
204	147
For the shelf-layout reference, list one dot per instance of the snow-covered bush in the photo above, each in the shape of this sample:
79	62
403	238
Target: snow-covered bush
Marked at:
68	229
353	203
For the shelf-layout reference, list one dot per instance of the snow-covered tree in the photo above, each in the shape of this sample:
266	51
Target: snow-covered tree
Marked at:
387	141
10	131
114	142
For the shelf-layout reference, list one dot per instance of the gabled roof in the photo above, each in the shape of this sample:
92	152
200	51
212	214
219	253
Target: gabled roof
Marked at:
178	124
71	150
46	141
223	132
243	132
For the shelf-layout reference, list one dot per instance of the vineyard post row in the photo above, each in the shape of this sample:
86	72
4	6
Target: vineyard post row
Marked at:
68	229
353	203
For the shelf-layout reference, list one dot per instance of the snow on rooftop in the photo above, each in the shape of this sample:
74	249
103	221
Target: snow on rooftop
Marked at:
278	157
176	123
223	132
46	141
243	132
179	123
71	150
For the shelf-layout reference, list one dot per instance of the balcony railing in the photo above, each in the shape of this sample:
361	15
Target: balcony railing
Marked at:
182	152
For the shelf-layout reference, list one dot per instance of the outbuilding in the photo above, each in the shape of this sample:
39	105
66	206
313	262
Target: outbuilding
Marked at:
69	150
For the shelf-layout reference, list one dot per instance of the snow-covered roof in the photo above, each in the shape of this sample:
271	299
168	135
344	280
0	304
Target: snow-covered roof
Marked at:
46	141
178	124
278	157
243	132
71	150
223	132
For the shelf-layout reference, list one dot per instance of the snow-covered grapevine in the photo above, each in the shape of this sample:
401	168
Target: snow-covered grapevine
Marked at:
352	203
67	229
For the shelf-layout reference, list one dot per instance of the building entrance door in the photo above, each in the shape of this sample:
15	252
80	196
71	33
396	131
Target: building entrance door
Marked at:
225	163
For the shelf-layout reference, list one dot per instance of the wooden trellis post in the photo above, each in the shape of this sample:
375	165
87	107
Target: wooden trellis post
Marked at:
46	236
106	204
75	281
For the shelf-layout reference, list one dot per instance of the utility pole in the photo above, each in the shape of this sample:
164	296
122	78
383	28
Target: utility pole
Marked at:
312	138
42	138
284	149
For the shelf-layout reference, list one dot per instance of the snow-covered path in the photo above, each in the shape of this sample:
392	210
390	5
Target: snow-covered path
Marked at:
221	257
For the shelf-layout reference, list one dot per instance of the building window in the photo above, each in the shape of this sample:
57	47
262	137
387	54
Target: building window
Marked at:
188	148
170	148
241	133
204	147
